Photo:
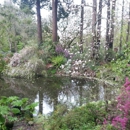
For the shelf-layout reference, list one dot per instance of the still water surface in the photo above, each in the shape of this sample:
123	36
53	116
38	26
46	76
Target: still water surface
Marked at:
56	90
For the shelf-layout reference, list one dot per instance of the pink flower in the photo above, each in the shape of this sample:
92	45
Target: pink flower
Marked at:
104	122
127	82
119	121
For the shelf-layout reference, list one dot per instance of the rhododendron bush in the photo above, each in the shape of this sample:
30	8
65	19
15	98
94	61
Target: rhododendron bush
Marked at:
123	106
121	120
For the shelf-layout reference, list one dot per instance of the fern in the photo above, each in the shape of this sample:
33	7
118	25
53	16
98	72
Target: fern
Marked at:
58	60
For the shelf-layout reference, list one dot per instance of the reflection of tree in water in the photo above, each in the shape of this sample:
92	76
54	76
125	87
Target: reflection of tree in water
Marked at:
108	92
66	90
49	89
86	90
18	87
57	90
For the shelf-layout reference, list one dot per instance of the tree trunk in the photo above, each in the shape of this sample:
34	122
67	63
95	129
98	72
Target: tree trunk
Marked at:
39	25
112	23
54	20
81	26
128	29
108	56
121	36
94	28
99	27
108	46
99	23
11	36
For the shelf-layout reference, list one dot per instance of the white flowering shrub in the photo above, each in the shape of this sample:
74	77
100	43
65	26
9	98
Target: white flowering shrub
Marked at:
25	64
79	64
22	56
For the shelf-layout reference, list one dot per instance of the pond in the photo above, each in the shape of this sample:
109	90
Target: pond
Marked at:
57	90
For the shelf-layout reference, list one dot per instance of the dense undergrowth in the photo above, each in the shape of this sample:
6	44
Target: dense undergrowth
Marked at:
85	117
101	115
13	109
105	115
50	59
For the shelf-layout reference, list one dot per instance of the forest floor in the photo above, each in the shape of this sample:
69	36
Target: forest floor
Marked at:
22	125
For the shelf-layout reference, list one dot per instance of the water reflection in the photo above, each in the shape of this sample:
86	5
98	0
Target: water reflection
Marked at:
56	90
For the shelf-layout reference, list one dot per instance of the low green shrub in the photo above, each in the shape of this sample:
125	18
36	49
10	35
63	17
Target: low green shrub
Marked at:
13	109
89	116
121	67
58	60
121	64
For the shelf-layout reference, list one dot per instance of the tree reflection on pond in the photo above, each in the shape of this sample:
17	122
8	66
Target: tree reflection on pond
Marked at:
57	90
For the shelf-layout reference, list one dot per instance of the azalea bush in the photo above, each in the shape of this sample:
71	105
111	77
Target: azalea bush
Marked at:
121	118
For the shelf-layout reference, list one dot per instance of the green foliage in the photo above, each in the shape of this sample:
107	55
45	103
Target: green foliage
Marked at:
51	71
46	51
118	68
109	55
2	64
16	28
11	106
85	117
122	64
105	72
58	60
20	45
108	127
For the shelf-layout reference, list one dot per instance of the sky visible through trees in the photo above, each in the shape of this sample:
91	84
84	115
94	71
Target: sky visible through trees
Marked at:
88	14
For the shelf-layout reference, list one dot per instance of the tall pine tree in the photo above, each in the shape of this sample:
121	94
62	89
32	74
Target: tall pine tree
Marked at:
27	6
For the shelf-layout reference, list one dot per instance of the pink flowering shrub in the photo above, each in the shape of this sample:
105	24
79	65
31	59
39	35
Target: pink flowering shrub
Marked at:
121	121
